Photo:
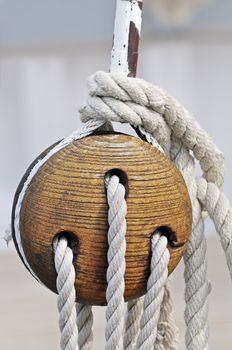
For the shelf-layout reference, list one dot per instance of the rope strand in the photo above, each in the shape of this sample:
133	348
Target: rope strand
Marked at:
167	332
84	325
132	322
196	284
117	264
66	295
155	293
220	211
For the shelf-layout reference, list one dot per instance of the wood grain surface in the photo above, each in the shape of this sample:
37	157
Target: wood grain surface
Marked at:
68	195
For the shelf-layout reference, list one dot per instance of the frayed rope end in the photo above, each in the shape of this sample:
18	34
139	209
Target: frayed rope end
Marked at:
7	236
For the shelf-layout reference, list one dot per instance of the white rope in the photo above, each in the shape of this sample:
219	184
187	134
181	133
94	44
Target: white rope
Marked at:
66	295
114	97
132	323
167	332
84	325
117	264
220	212
75	320
155	293
197	286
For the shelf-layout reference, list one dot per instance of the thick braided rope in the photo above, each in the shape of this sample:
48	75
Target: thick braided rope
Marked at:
220	211
84	325
197	287
117	265
75	324
155	293
67	295
132	322
114	97
167	332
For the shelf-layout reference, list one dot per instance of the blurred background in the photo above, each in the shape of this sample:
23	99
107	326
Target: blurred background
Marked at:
47	50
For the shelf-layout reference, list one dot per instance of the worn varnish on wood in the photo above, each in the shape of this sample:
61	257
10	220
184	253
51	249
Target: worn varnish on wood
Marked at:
68	195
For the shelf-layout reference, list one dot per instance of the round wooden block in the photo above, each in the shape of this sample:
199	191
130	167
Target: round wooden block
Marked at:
68	195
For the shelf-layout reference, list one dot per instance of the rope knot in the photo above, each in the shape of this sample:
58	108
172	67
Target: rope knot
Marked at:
116	98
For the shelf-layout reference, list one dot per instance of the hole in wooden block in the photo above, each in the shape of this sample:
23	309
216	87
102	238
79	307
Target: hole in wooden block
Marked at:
123	179
171	236
73	241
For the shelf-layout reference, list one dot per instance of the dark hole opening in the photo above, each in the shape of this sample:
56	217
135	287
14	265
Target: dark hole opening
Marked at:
170	235
73	241
123	179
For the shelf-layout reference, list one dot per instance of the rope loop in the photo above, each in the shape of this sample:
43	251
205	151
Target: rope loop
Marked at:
116	98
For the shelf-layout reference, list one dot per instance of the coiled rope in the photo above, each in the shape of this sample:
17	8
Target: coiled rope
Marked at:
151	110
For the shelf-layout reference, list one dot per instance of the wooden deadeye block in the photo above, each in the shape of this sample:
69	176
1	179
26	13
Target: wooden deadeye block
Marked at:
67	196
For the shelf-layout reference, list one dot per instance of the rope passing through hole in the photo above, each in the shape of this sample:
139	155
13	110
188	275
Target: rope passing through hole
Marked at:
76	320
116	262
